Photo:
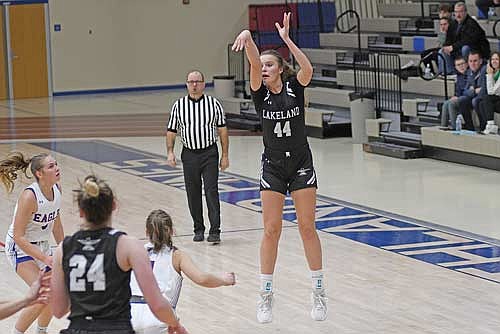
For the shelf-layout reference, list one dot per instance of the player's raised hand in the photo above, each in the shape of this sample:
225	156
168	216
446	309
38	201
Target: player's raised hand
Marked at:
241	40
284	30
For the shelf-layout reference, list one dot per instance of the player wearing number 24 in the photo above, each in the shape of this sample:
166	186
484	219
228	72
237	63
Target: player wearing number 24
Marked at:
91	271
287	164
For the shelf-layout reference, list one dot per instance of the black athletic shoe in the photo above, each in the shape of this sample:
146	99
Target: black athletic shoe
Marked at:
214	238
198	237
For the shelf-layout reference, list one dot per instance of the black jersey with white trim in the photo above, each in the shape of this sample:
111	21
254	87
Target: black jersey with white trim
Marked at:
282	115
97	286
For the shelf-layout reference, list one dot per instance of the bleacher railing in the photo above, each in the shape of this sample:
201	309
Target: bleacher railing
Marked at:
377	74
367	8
236	68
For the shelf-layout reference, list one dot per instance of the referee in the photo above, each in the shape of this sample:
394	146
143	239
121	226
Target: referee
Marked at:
199	118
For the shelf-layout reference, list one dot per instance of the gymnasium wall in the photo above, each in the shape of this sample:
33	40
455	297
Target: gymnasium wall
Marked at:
109	44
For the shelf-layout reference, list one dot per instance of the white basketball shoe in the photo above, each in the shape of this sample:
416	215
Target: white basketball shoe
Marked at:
265	307
319	310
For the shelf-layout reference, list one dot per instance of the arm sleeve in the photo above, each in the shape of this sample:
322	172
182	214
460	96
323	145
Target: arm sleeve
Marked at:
221	118
174	116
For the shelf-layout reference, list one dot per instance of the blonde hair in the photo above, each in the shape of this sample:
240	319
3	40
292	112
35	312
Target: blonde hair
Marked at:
288	71
95	198
159	229
15	162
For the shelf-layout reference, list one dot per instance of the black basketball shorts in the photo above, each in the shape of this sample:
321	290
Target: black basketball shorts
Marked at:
81	326
285	172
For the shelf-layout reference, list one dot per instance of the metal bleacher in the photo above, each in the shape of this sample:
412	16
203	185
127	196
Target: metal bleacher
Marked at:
397	30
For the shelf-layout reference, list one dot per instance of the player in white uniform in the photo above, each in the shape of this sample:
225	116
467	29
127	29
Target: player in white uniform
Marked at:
168	263
36	217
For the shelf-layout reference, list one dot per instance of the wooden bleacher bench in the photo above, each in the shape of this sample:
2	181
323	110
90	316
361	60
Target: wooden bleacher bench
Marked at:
234	105
328	96
467	141
412	107
375	126
339	40
315	117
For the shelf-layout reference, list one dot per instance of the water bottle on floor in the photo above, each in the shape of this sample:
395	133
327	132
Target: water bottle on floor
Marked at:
458	123
427	72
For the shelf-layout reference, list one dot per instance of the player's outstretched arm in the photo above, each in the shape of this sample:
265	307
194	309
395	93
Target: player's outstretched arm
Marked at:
245	41
200	277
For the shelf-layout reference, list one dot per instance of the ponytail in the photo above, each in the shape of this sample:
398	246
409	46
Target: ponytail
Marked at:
15	162
95	198
159	229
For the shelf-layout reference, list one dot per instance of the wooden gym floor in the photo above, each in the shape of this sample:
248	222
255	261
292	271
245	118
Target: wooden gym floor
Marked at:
409	246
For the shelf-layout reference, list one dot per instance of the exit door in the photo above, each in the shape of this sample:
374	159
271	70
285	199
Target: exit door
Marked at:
28	50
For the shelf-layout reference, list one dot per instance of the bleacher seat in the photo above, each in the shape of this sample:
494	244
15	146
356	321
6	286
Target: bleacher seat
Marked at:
263	17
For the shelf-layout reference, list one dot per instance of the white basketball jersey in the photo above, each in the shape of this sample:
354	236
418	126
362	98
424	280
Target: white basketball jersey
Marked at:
168	279
40	226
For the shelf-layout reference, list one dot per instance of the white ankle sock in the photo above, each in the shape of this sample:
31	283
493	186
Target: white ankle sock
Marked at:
317	280
266	282
15	331
42	330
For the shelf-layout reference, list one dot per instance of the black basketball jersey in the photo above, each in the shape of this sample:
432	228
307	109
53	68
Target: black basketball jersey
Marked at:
97	287
282	116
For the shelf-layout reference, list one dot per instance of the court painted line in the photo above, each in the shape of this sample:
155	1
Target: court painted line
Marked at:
456	250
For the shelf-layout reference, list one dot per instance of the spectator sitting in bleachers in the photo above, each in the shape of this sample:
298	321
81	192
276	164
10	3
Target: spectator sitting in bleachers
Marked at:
475	89
484	5
451	106
446	36
468	36
446	10
491	102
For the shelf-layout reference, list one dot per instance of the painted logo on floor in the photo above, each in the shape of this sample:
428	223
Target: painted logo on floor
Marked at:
400	236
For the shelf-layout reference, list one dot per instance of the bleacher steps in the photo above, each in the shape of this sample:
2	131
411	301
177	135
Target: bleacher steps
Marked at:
412	107
374	127
402	138
393	150
324	81
407	9
350	41
328	96
323	123
240	113
385	47
234	121
381	24
414	85
322	56
421	43
408	43
416	126
234	105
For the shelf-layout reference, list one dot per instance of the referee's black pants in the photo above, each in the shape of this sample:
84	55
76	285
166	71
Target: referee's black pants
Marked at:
198	164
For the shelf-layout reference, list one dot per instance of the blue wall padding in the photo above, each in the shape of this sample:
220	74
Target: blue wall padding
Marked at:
418	44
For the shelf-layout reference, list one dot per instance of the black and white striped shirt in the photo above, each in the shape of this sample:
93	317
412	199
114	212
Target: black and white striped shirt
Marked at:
197	121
